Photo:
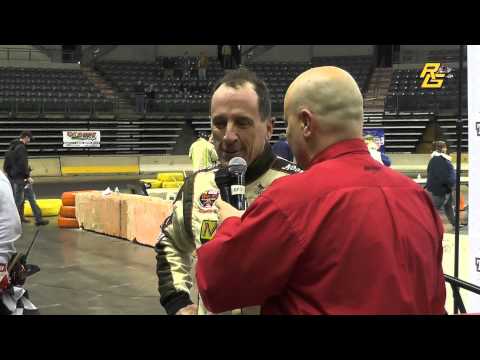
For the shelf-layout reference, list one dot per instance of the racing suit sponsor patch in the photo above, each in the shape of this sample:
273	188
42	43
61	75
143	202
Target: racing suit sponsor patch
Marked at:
208	198
259	189
207	230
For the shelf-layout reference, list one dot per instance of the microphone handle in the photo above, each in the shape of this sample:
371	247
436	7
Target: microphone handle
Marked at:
225	194
241	197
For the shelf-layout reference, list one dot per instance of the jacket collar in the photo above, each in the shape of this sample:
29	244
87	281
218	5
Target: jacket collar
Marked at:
341	148
445	156
260	165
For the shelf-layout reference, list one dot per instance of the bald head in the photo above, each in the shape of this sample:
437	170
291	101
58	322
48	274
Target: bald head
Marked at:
323	106
331	94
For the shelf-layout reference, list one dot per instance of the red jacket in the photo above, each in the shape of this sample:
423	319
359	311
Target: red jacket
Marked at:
347	236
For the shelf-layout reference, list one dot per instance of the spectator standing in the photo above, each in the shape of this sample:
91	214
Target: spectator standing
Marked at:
186	65
202	153
227	57
168	68
140	97
441	180
18	171
202	66
150	94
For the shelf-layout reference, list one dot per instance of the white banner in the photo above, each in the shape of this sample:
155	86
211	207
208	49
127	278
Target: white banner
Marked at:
473	53
75	138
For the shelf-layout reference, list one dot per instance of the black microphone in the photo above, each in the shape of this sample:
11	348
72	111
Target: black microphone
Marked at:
237	168
224	181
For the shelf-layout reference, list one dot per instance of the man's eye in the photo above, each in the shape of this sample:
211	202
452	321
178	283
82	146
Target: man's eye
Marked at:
219	124
243	122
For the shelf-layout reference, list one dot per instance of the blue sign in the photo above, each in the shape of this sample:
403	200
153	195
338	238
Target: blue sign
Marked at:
376	136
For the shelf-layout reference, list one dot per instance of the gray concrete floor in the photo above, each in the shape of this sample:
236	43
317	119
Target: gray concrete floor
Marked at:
83	273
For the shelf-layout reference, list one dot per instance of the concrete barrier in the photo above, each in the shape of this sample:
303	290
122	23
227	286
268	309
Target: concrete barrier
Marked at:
97	165
150	164
130	217
410	164
45	167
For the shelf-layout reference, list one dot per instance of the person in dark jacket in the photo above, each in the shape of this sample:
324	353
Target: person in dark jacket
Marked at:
441	180
140	97
18	171
282	149
150	95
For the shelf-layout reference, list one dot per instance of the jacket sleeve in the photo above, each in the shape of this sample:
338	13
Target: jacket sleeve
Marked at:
249	260
213	155
22	161
451	175
386	160
174	251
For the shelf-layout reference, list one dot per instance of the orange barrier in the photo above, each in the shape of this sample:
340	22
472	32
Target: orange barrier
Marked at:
462	202
67	218
462	208
67	223
68	198
68	212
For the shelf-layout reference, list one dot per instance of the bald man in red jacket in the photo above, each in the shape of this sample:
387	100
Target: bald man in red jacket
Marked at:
347	236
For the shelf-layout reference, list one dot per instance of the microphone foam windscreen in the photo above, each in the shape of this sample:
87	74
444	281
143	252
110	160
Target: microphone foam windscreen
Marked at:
237	166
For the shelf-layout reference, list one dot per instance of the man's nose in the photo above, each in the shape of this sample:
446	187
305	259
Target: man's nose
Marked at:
230	133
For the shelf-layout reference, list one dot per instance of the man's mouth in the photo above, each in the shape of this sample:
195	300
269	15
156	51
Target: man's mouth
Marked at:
231	152
228	155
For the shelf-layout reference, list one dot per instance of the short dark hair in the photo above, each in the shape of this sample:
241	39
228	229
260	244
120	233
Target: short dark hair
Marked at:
240	77
24	134
439	145
202	134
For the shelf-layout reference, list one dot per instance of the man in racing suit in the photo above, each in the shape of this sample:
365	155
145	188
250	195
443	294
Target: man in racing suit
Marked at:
241	127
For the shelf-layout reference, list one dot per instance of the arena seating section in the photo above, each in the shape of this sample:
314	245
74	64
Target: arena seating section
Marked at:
31	90
360	67
174	95
192	95
49	101
406	94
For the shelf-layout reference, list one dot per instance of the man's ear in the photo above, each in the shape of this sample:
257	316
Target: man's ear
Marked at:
305	117
270	124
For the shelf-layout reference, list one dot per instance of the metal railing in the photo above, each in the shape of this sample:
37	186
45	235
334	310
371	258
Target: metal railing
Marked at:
421	56
94	52
67	106
36	55
456	285
10	54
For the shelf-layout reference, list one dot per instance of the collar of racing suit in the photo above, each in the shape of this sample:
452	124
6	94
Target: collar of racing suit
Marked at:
261	165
